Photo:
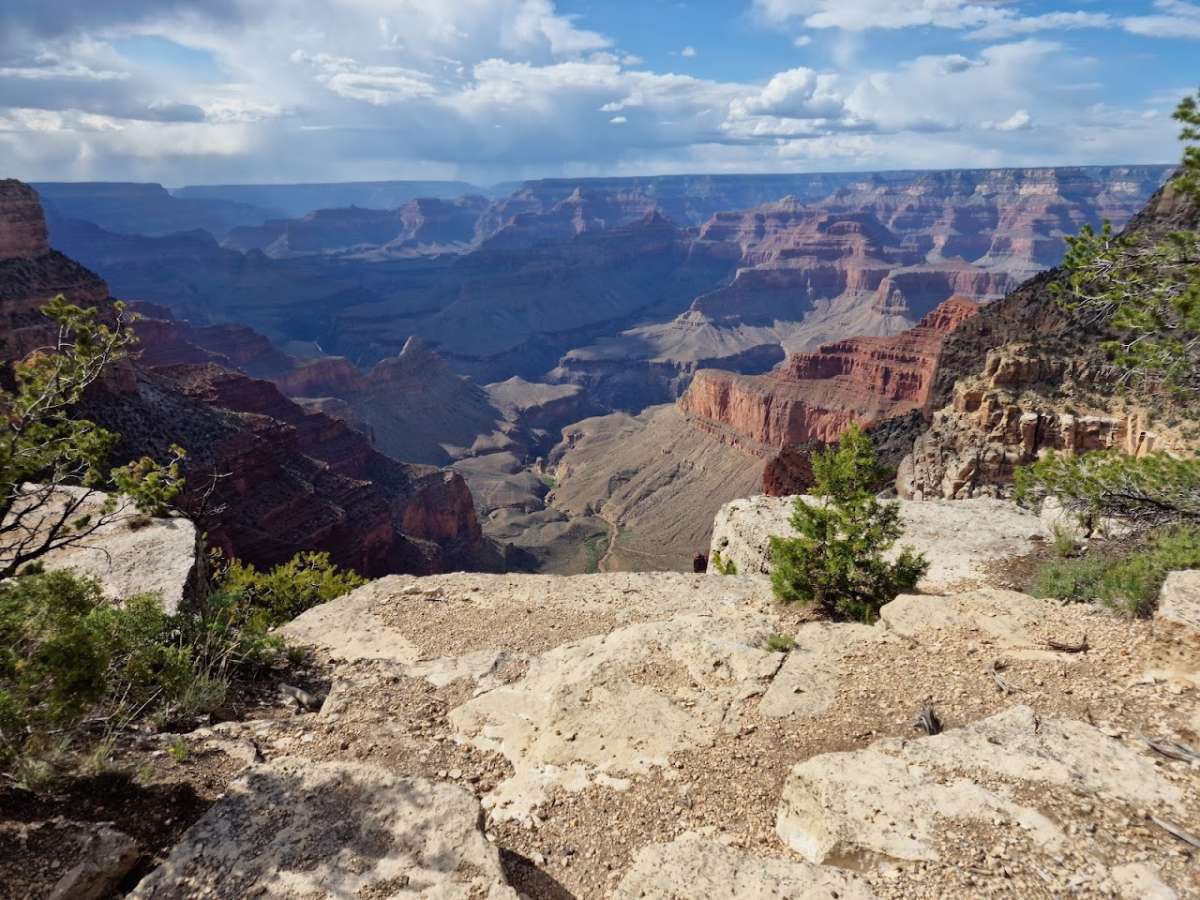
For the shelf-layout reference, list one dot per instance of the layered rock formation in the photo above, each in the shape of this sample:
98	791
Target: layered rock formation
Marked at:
146	209
296	200
1026	377
813	397
31	273
419	227
589	278
290	480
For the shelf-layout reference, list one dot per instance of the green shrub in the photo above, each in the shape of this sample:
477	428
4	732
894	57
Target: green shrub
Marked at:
1152	490
304	581
1065	543
837	561
1130	584
67	654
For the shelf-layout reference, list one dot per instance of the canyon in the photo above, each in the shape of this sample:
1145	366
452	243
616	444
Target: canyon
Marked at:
605	361
286	479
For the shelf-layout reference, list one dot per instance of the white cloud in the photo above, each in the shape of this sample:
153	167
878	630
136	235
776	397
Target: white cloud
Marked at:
1018	121
490	90
799	93
688	51
1057	21
802	40
1175	19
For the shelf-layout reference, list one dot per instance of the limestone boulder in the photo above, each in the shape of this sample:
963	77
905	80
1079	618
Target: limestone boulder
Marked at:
616	705
128	554
961	539
294	829
1179	600
898	799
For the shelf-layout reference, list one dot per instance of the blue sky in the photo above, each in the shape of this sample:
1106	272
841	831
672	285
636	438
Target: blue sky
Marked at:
193	91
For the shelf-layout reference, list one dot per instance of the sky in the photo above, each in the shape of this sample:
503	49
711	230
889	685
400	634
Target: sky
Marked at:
217	91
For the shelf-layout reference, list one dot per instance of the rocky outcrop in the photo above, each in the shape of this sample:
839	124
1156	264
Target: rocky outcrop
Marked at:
1179	600
31	274
962	540
377	515
893	801
656	700
1026	377
813	397
695	866
127	553
333	830
1003	419
22	226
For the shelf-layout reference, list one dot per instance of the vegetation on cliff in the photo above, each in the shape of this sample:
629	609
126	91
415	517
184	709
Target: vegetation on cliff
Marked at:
44	447
74	666
837	560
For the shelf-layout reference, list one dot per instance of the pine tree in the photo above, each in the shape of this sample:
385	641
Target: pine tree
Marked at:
837	561
1146	292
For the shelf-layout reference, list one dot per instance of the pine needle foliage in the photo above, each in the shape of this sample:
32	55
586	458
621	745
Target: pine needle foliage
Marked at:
1146	293
836	561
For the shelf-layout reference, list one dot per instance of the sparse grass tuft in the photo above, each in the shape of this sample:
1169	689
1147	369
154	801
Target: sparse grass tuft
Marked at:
781	643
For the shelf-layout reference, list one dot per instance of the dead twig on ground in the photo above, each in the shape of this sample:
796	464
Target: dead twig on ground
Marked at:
1176	830
1081	647
927	720
1173	750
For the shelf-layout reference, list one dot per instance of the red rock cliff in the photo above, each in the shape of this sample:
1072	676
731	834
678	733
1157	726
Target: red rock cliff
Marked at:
815	396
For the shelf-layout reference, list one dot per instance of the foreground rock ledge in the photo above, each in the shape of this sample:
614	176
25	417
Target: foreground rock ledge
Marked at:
332	830
697	867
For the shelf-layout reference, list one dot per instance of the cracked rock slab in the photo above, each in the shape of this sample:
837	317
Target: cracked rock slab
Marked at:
294	829
1179	599
892	800
618	704
1006	618
695	866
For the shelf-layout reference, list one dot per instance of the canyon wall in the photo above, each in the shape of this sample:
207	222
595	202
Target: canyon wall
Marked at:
813	397
289	479
1026	377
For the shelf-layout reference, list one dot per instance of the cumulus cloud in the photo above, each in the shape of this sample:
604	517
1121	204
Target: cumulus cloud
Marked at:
499	89
688	51
1018	121
1174	19
799	93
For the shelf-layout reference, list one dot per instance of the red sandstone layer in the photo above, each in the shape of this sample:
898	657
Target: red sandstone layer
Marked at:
815	396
